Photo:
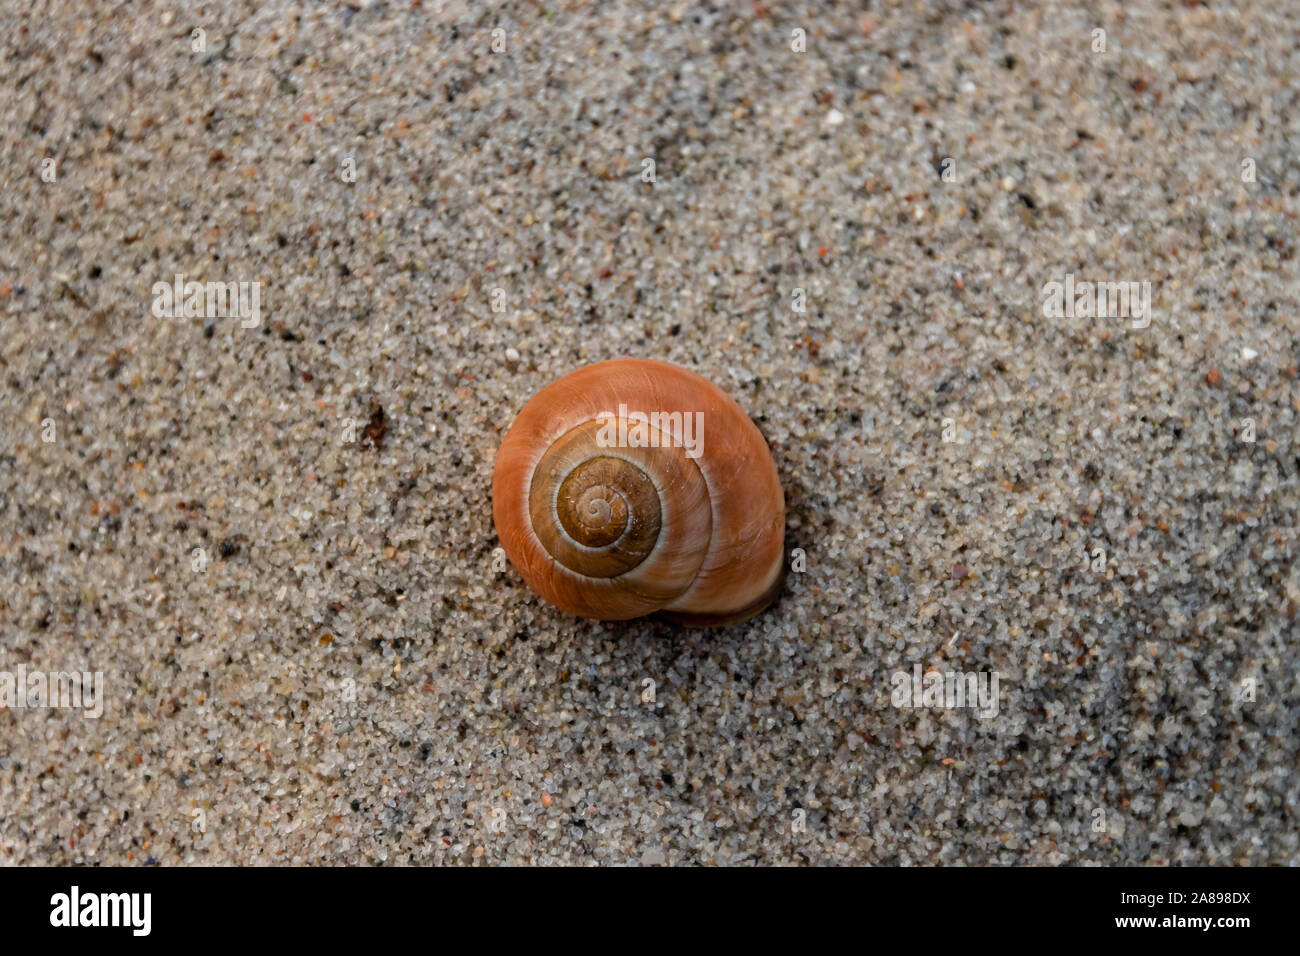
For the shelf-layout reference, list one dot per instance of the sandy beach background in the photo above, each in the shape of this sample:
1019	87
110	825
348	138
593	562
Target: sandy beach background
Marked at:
274	539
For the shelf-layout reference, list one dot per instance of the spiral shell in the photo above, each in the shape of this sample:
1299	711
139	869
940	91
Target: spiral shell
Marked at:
690	525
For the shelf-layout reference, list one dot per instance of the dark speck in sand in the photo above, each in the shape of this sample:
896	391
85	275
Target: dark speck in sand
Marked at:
376	428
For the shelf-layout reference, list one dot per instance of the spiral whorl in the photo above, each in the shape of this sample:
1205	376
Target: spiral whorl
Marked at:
608	501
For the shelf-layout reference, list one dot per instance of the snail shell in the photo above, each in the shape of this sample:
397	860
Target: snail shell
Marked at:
690	525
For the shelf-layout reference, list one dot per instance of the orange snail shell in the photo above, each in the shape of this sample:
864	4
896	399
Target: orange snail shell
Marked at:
617	532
